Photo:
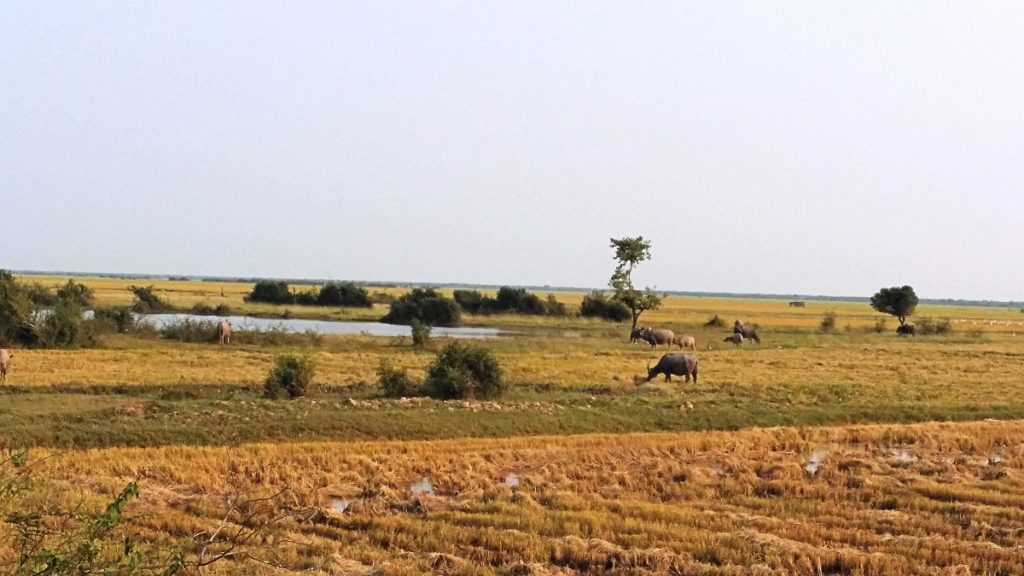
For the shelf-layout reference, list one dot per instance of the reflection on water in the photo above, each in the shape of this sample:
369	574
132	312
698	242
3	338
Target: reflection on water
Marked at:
321	326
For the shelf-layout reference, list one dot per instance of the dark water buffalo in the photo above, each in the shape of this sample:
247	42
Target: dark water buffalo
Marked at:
906	330
5	364
684	365
735	338
636	334
224	332
747	331
655	336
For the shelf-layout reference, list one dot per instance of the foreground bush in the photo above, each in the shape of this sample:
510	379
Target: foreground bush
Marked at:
464	372
597	305
394	381
425	305
291	376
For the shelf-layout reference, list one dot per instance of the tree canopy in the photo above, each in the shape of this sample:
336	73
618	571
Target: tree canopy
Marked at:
897	301
628	253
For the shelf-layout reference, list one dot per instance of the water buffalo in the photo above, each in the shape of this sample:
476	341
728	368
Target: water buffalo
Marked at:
636	334
684	365
747	330
224	332
685	342
906	330
5	364
735	338
655	336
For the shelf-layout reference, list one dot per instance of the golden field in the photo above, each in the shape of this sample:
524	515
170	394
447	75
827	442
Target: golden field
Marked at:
874	499
851	452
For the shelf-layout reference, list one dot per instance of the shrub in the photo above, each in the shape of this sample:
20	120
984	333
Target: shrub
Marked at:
147	301
420	333
40	295
715	322
343	294
926	326
75	292
828	322
382	298
204	309
597	305
116	319
879	326
291	376
63	326
16	309
271	292
461	371
473	301
425	305
189	330
556	308
394	381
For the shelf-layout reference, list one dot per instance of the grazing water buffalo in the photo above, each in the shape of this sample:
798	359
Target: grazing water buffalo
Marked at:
655	336
685	342
5	364
748	331
224	332
684	365
735	338
906	330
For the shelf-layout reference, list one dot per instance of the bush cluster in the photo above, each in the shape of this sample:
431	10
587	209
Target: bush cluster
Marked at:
204	309
828	322
598	305
464	372
425	305
509	300
291	376
395	382
147	301
926	326
420	333
715	321
347	294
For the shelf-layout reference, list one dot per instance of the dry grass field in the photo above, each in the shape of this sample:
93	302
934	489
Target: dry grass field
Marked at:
875	499
850	452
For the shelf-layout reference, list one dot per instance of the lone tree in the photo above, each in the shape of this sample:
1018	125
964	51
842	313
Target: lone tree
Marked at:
899	302
628	253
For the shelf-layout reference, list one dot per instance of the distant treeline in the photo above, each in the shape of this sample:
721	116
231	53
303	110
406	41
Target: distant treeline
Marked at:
470	286
509	300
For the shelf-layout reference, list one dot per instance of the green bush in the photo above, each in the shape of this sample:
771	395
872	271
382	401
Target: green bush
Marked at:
461	371
147	301
40	295
828	322
16	313
509	300
926	326
63	326
291	376
715	322
114	319
597	305
425	305
75	292
343	294
879	326
271	292
394	381
204	309
420	333
473	301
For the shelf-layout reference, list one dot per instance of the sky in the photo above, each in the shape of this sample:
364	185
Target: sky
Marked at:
775	147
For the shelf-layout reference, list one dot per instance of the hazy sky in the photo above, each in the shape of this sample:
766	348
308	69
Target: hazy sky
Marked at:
800	147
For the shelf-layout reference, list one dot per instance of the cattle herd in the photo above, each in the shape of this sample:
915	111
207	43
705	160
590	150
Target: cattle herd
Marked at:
685	365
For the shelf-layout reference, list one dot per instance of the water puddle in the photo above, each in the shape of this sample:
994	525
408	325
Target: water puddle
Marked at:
424	486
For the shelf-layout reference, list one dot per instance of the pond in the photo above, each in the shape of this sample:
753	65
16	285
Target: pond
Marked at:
323	326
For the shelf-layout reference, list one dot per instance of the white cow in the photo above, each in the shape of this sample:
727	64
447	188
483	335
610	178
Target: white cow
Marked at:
5	364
